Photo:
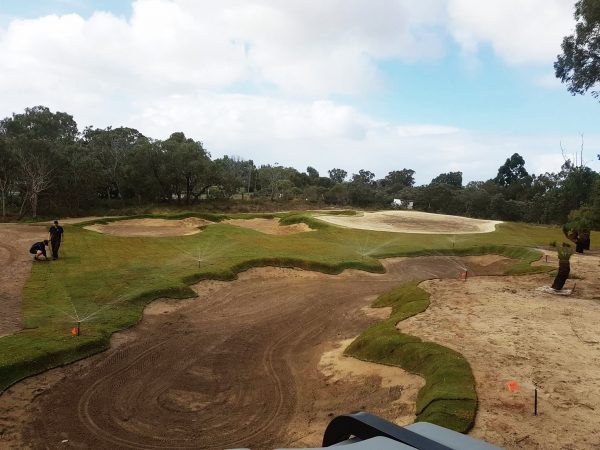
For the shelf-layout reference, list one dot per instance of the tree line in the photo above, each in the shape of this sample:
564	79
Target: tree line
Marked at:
49	167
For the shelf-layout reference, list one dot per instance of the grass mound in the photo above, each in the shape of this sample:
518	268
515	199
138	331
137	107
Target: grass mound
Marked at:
448	398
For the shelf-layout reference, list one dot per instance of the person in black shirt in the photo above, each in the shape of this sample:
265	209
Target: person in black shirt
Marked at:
56	237
38	250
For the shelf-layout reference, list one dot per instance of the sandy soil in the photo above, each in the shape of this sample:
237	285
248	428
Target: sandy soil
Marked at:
509	331
151	227
240	366
15	267
413	222
74	220
269	226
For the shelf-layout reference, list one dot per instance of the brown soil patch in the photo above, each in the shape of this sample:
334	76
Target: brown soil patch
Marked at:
338	367
269	226
15	267
240	366
413	222
151	227
75	220
509	331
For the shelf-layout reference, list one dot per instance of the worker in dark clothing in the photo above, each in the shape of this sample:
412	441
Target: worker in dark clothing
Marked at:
56	237
38	250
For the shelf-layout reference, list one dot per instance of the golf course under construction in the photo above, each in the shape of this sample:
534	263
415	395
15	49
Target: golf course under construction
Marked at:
227	331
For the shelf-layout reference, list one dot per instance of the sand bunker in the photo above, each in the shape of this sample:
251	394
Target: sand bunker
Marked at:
269	226
508	330
413	222
151	227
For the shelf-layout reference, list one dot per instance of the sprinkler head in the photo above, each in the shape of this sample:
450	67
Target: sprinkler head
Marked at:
76	331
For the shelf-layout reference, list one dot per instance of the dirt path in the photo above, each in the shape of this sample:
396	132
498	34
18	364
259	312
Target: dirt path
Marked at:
236	367
15	267
510	331
413	222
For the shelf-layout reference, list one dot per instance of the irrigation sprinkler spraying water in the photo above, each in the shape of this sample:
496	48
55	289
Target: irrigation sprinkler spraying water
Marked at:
76	331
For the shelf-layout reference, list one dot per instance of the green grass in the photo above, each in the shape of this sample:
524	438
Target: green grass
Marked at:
448	398
106	280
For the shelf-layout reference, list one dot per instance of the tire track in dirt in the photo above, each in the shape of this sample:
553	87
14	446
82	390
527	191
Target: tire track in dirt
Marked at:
233	368
15	267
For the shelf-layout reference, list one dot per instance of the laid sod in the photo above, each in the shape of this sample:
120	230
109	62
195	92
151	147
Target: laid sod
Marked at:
105	281
448	398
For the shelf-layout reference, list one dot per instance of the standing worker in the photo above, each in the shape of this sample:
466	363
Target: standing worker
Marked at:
56	236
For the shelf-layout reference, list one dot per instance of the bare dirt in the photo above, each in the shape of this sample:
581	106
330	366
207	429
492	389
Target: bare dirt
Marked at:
413	222
15	267
269	226
151	227
510	331
242	365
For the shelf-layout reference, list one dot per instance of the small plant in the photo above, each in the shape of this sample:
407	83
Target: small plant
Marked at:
552	244
565	252
564	266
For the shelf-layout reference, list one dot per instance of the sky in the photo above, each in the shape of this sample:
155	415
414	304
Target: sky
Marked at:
433	85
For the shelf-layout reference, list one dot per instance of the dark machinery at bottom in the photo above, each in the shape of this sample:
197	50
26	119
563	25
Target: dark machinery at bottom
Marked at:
364	431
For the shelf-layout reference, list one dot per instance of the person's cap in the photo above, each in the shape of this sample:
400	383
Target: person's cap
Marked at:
56	222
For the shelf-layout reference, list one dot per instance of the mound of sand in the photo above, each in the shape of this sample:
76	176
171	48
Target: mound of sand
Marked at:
151	227
413	222
269	226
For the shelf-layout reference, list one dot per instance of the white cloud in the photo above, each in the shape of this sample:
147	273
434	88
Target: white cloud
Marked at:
325	134
519	31
183	64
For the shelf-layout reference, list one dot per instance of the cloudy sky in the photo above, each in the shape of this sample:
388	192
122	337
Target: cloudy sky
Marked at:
432	85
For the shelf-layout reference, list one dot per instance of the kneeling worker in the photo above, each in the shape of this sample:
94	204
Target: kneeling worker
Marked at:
38	250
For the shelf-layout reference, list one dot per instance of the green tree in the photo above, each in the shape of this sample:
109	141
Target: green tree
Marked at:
112	148
232	174
8	173
512	171
36	137
275	180
189	165
453	179
313	174
397	180
579	64
337	175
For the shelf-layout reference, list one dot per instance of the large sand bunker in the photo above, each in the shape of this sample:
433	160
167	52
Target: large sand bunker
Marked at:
269	226
240	366
413	222
151	227
509	331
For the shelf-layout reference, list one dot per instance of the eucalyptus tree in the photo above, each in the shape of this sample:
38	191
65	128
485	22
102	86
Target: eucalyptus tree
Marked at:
579	64
36	138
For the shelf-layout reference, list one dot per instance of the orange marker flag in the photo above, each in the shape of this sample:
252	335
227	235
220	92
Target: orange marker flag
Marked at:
512	386
74	331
